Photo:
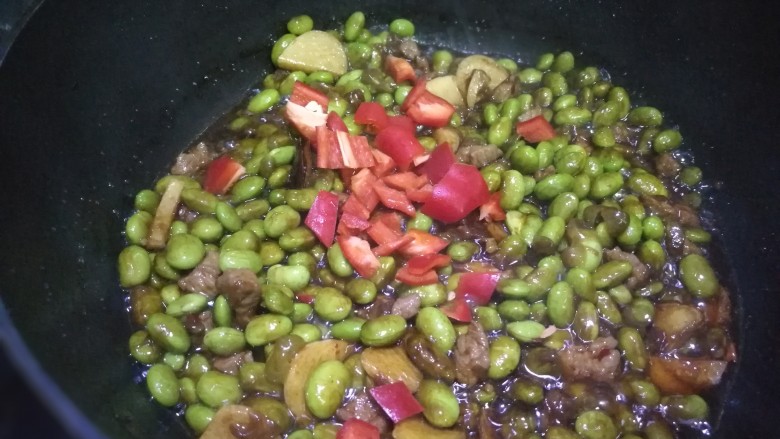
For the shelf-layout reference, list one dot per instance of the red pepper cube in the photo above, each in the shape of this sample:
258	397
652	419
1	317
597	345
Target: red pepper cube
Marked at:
396	400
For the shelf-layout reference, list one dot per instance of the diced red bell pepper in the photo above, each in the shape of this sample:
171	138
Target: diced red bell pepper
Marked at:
384	164
396	401
302	94
339	149
322	215
423	263
401	145
350	224
439	162
354	428
392	219
391	247
362	151
400	69
328	150
424	244
461	190
536	129
407	277
414	94
404	181
358	252
457	309
401	121
335	123
355	207
221	174
393	199
304	120
420	195
477	287
362	187
383	234
426	108
492	209
372	115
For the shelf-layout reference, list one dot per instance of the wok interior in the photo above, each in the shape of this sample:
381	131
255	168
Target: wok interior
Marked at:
98	98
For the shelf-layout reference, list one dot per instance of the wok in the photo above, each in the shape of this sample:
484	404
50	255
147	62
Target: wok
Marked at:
97	98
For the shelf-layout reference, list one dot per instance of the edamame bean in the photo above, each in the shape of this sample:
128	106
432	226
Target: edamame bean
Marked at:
294	277
440	406
325	388
402	27
697	276
338	263
645	116
266	328
595	424
420	221
186	304
354	25
168	332
560	304
525	331
143	348
216	389
384	330
198	417
224	341
147	200
300	24
499	132
137	227
348	329
263	101
686	407
488	317
361	291
605	185
586	321
632	345
504	353
278	298
241	240
163	385
553	185
238	259
134	266
280	219
513	310
332	305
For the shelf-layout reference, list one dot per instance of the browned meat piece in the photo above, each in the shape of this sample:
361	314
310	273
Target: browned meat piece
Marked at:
198	324
406	306
203	278
471	355
478	154
672	212
717	310
362	407
242	291
640	273
685	376
598	360
190	162
381	306
403	47
186	214
667	166
677	244
232	363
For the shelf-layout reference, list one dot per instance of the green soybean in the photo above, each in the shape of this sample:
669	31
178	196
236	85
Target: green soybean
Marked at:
168	332
163	385
504	353
440	406
266	328
332	305
384	330
697	276
134	266
216	389
402	27
325	388
338	263
224	341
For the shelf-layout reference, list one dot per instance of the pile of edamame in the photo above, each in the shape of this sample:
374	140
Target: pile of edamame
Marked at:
611	191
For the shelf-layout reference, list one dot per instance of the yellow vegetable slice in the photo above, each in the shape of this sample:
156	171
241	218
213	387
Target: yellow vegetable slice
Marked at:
446	88
312	51
305	361
496	73
388	365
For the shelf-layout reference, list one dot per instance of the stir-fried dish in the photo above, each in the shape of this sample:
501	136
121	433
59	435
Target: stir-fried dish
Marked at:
387	240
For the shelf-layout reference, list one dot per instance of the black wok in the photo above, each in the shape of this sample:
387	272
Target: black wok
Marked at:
97	98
